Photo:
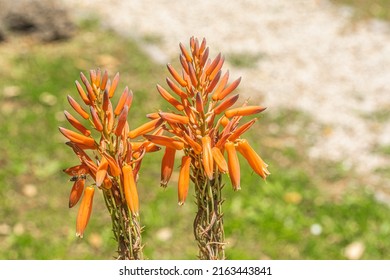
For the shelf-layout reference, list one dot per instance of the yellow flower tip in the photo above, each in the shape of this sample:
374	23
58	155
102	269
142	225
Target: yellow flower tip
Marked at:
85	211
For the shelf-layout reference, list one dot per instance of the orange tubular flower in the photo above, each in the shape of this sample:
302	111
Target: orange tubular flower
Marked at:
184	179
219	160
76	106
207	157
85	211
168	161
254	160
78	138
203	124
145	128
244	111
233	165
76	124
111	163
101	171
130	189
174	118
76	192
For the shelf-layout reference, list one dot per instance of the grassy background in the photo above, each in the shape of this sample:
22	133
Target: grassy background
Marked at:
305	210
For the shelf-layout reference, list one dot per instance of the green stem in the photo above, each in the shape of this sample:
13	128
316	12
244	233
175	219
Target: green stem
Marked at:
208	223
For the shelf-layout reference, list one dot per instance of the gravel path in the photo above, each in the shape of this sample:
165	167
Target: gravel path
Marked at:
312	58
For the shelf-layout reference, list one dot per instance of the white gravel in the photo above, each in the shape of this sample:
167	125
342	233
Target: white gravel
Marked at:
314	58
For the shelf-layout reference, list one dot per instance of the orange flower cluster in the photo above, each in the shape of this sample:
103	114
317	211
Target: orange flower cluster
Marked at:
204	123
115	160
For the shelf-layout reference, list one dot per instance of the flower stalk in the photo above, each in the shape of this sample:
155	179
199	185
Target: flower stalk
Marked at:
203	126
107	158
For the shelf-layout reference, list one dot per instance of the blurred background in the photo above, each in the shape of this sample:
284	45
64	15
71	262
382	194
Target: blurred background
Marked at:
321	67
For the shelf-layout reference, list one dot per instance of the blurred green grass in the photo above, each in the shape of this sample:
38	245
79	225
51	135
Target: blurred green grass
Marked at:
364	9
305	210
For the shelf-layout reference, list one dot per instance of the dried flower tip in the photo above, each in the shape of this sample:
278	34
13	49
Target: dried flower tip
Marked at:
165	141
76	106
95	119
82	93
233	165
76	192
78	138
91	93
130	189
145	128
76	124
85	211
168	97
122	121
244	111
174	118
176	76
168	161
113	85
207	157
184	179
254	160
219	160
